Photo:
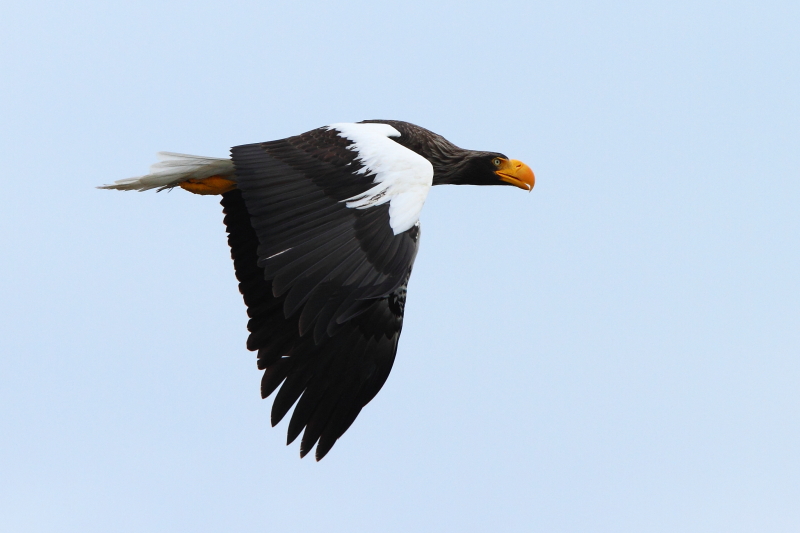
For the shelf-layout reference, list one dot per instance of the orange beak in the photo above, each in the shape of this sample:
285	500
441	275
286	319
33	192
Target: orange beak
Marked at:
517	174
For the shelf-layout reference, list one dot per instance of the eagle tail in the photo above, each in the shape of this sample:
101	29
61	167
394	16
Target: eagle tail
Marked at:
173	169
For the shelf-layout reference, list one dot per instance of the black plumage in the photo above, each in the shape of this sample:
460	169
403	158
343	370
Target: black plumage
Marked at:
323	255
324	284
337	375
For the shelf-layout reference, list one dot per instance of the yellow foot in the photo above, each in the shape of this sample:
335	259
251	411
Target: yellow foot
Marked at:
212	185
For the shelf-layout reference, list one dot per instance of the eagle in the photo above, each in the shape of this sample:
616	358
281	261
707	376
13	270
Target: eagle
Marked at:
323	229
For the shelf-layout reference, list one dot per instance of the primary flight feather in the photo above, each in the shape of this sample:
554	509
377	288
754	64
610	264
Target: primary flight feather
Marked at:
323	229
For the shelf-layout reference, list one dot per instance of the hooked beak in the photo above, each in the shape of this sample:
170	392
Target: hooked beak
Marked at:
517	174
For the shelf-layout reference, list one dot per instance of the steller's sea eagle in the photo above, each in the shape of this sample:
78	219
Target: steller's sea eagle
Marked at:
323	229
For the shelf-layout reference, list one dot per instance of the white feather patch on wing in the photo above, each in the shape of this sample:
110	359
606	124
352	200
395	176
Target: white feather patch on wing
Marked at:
173	169
402	177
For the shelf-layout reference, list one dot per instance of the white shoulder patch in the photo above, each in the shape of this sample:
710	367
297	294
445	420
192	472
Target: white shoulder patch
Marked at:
402	177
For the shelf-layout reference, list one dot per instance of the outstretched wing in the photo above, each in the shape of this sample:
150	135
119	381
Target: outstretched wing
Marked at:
323	232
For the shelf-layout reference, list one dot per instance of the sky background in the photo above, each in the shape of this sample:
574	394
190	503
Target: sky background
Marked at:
618	351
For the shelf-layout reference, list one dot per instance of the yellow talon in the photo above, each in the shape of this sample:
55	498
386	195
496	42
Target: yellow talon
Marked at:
212	185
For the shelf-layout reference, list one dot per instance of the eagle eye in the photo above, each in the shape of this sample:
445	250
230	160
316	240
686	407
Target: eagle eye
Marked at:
497	161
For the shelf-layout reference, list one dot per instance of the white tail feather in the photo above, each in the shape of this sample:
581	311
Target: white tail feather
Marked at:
173	169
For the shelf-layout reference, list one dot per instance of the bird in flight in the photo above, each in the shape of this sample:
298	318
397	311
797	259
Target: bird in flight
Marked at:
323	229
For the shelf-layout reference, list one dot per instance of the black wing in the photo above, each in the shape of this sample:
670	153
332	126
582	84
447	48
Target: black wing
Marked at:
324	284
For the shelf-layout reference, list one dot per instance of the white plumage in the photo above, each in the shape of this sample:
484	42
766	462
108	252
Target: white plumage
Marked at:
173	169
402	177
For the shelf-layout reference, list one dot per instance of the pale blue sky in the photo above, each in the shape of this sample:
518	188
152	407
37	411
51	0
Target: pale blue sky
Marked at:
618	351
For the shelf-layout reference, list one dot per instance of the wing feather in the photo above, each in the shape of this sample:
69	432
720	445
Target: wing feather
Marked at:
321	280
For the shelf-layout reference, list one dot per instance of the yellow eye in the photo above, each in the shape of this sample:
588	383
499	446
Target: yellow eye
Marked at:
497	161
